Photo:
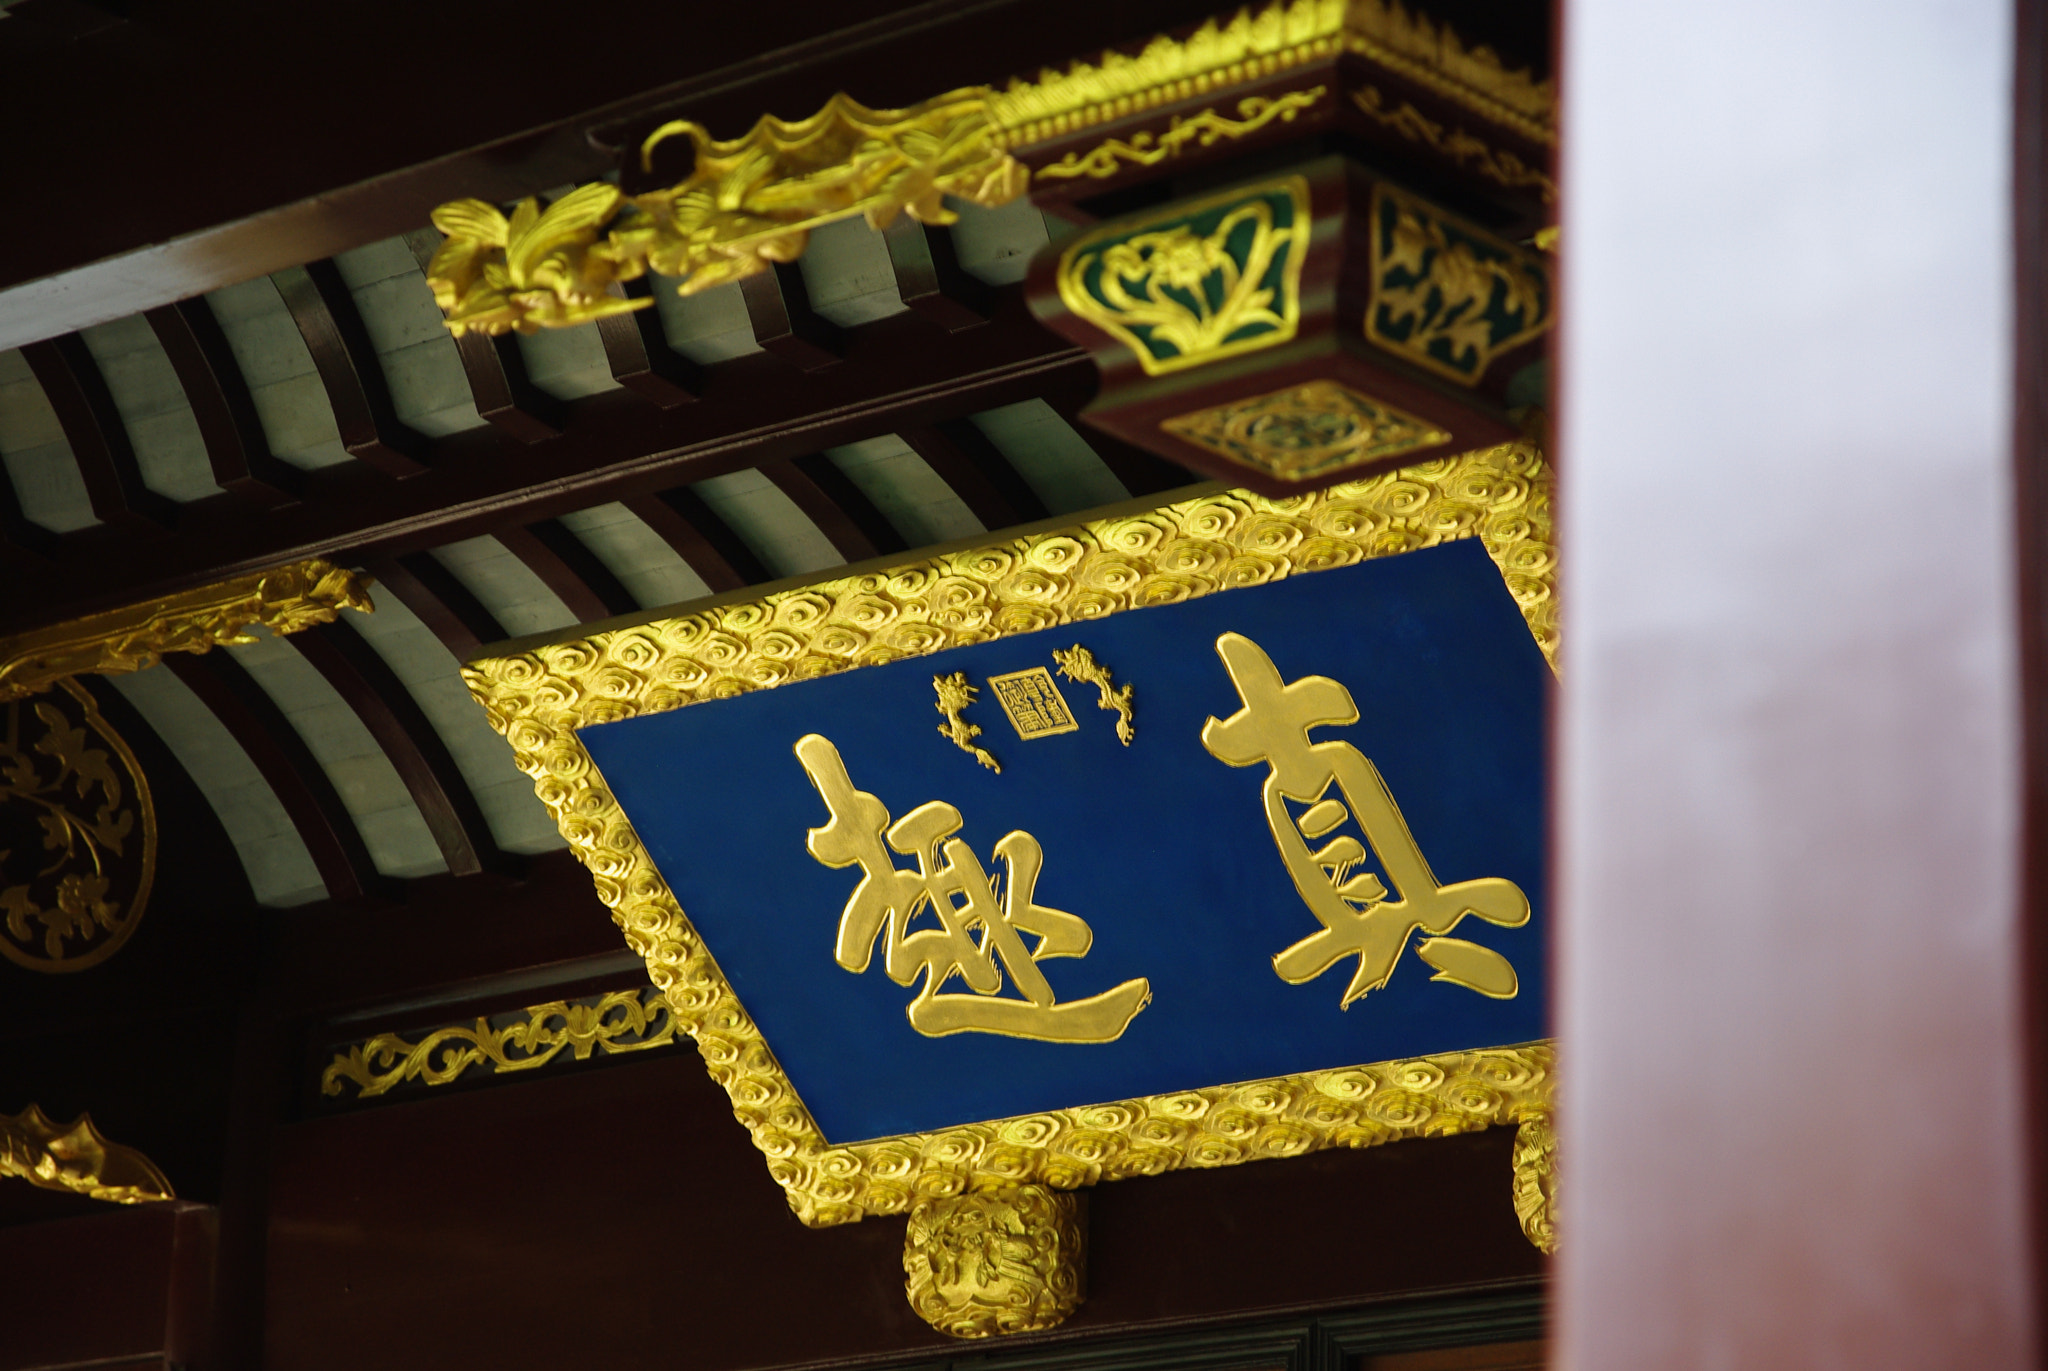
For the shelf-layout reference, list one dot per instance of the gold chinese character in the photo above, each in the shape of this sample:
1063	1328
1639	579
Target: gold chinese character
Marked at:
952	885
1357	917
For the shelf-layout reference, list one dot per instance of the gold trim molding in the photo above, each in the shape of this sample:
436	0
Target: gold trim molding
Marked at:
754	200
622	1021
539	698
1253	45
1144	149
77	1157
284	600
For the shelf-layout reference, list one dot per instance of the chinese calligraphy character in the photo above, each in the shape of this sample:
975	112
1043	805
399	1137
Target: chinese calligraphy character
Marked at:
1357	917
951	885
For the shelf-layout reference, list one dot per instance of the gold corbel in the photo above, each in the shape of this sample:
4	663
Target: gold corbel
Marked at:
284	600
1007	1260
77	1157
1536	1180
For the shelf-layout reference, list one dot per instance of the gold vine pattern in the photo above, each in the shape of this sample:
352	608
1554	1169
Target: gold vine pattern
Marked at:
284	599
1208	128
77	1157
622	1021
538	699
1496	164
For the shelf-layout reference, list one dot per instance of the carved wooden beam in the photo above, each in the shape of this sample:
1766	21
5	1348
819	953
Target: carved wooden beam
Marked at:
402	729
289	768
346	361
441	602
99	440
568	568
707	545
236	447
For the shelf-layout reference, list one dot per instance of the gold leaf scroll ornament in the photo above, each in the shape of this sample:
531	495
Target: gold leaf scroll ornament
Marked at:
747	202
283	599
78	1158
1206	129
617	1022
540	268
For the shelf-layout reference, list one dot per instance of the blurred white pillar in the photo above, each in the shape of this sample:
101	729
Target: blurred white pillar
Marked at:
1788	783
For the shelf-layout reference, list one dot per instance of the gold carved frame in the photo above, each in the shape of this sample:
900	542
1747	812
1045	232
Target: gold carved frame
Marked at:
1015	584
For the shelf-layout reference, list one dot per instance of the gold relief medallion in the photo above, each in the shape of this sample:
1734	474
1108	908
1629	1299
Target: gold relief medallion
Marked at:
1306	431
77	833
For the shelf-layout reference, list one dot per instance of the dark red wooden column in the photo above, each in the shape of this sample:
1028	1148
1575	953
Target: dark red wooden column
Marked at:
1789	810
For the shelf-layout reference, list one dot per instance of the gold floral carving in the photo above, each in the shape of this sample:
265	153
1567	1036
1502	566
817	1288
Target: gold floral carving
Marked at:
746	203
1257	44
1536	1180
1008	1260
1305	431
284	599
1208	128
1207	279
539	698
1496	164
77	833
1448	296
538	268
78	1158
622	1021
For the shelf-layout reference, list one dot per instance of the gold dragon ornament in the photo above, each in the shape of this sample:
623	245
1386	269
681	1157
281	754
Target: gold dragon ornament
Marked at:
747	202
